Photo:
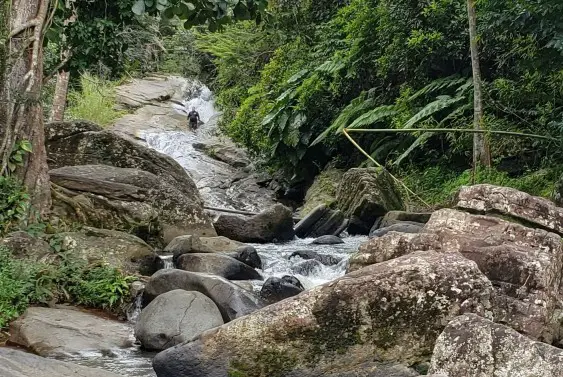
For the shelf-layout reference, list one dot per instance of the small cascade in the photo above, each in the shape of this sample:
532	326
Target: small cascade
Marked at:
167	262
135	310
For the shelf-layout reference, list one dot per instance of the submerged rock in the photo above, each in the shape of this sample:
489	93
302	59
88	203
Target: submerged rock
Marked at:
328	240
326	259
233	301
123	199
276	289
217	264
15	363
472	346
175	317
273	225
320	222
365	195
118	249
513	203
307	267
392	312
60	332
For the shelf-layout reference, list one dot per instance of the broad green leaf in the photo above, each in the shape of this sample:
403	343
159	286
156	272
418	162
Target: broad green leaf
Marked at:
419	141
431	109
25	145
298	76
374	116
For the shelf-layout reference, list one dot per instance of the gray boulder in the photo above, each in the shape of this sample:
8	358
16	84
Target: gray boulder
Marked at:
327	260
228	154
176	317
247	255
276	289
320	222
217	264
472	346
118	249
273	225
394	217
108	197
220	244
513	203
185	244
401	227
365	195
15	363
340	326
60	332
328	240
307	267
233	301
23	245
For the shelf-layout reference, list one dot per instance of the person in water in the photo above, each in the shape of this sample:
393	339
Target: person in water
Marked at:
193	118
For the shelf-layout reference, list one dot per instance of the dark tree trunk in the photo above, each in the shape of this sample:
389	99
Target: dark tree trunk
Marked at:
20	92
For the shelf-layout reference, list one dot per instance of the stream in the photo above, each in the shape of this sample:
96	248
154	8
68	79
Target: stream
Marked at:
214	179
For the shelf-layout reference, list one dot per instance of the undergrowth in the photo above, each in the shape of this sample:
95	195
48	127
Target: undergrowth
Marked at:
95	101
24	282
437	185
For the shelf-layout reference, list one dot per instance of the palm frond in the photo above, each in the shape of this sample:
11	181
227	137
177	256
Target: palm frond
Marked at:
439	84
419	141
374	116
431	109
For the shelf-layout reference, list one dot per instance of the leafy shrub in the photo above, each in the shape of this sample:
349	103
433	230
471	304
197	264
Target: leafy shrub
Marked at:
24	283
95	101
14	203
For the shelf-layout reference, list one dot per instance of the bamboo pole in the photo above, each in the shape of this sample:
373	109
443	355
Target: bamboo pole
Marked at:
461	130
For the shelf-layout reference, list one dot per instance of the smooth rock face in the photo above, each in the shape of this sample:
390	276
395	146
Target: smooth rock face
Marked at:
276	289
320	222
232	300
228	154
185	244
525	265
122	199
217	264
328	240
118	249
24	245
274	224
510	202
327	260
14	363
220	244
392	312
401	227
394	217
175	317
472	346
247	255
366	194
60	332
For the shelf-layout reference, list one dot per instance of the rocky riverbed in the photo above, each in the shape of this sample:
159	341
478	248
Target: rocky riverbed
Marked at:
469	291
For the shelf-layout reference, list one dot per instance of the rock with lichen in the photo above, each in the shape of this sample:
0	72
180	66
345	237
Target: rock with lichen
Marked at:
391	312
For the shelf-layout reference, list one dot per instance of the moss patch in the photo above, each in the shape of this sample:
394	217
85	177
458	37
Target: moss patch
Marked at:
323	190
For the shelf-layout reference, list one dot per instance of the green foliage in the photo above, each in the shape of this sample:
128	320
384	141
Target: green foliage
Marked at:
24	283
94	102
14	204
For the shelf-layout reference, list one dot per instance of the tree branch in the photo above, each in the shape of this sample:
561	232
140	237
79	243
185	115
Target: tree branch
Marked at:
57	68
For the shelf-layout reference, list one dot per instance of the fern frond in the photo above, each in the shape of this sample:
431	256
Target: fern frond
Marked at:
431	109
439	84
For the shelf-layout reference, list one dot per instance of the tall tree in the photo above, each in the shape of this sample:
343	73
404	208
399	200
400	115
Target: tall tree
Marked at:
481	150
21	117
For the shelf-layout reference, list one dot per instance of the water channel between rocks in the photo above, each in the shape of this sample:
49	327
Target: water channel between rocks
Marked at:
213	178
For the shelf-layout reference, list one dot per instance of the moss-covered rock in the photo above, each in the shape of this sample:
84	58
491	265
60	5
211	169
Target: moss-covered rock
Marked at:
391	313
365	195
322	191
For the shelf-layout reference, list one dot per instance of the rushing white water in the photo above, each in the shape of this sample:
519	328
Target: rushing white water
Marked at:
167	263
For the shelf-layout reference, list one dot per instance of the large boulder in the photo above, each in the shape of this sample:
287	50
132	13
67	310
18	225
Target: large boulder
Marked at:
273	225
15	363
217	264
365	195
524	264
558	193
63	332
25	246
513	203
228	154
323	190
233	301
388	313
247	255
472	346
108	197
276	289
401	227
84	143
176	317
118	249
321	221
185	244
394	217
221	244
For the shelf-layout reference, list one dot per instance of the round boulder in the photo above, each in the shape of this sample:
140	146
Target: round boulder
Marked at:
176	317
218	264
276	289
247	255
